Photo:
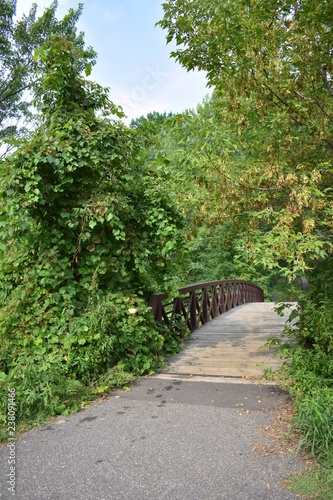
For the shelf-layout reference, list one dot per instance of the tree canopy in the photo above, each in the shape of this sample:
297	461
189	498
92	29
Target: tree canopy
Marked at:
19	71
271	66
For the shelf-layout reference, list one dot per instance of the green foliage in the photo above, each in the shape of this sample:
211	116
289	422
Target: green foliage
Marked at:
211	253
193	150
154	118
309	377
19	72
88	233
173	336
218	252
308	374
315	326
72	358
85	198
270	64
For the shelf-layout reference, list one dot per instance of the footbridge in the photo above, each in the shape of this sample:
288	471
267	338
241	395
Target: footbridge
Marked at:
229	322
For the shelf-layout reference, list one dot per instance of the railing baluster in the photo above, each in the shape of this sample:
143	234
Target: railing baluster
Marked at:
192	311
204	306
214	303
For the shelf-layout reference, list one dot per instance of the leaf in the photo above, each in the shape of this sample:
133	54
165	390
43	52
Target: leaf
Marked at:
88	69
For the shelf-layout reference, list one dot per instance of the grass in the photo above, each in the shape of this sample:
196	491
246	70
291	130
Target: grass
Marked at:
315	483
310	423
113	379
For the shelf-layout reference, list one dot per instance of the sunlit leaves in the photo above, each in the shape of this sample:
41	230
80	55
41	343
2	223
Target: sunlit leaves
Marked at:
271	66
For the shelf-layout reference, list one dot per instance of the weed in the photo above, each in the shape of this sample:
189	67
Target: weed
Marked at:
316	483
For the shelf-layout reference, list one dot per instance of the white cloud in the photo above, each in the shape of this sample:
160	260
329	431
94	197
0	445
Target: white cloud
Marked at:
133	59
176	92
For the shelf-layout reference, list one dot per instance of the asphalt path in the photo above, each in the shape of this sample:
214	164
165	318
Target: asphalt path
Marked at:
167	438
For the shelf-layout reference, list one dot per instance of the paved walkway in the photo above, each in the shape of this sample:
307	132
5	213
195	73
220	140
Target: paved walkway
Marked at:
168	438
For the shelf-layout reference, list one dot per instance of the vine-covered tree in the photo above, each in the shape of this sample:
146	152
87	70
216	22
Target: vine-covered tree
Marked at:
88	232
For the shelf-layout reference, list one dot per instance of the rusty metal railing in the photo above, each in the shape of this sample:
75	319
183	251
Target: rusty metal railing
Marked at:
197	304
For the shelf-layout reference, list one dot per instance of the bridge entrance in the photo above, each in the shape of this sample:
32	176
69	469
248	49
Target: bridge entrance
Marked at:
230	344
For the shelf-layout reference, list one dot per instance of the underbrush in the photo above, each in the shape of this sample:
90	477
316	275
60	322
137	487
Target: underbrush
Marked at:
57	368
308	376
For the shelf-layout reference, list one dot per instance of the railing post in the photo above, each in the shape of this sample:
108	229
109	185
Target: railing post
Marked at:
192	309
204	306
214	304
222	306
178	314
156	304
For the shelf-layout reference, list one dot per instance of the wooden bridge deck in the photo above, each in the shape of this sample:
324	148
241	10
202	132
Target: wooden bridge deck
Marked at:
230	345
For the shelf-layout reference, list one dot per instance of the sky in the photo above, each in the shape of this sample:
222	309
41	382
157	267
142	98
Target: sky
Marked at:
133	59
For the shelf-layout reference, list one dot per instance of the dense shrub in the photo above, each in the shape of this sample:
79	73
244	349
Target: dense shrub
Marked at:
309	371
88	233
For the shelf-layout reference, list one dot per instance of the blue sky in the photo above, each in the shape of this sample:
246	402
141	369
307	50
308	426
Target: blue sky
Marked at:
133	58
